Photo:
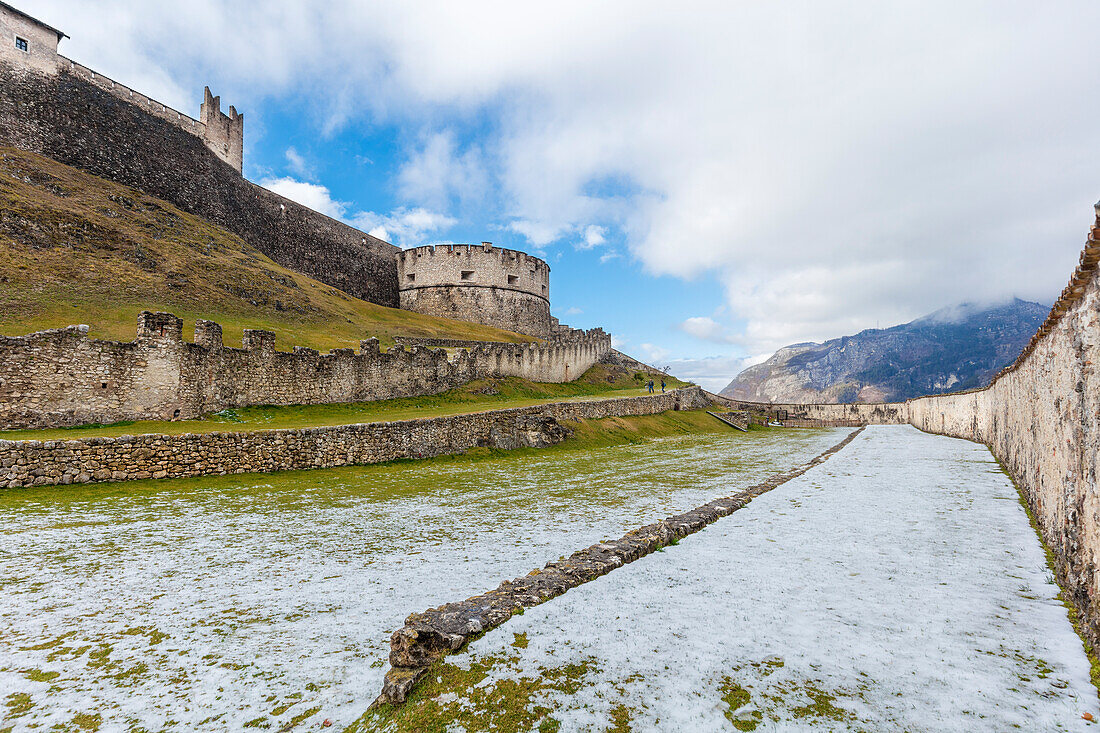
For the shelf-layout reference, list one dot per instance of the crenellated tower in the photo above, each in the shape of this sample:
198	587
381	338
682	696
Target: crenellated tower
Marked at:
484	284
222	133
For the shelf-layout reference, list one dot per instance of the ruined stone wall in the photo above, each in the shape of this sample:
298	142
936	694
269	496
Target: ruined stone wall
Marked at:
483	284
88	460
92	125
61	377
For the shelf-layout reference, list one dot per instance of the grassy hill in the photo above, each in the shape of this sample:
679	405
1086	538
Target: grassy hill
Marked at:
75	248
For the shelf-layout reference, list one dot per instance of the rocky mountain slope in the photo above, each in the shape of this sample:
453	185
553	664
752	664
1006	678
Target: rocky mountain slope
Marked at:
75	248
949	350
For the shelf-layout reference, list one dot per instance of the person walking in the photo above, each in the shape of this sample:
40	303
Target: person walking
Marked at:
662	385
649	386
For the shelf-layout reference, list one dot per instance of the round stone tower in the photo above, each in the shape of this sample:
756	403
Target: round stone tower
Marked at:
478	283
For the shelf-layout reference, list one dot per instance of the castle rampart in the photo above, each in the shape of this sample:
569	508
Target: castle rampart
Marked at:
84	123
28	43
479	283
1041	418
61	377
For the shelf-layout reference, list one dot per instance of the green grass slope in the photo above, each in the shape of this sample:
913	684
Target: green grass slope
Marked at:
75	248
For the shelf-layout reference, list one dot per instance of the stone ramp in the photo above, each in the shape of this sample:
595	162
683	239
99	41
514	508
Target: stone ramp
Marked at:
729	421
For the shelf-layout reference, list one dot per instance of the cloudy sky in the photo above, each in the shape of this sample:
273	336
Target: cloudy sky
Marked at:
709	181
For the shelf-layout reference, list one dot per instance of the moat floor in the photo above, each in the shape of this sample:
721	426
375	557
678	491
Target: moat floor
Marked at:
209	604
897	587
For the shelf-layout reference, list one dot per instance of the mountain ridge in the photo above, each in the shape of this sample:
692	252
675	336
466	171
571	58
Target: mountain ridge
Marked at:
954	348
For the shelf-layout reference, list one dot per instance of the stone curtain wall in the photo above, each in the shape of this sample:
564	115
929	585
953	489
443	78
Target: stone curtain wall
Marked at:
1041	419
61	377
482	284
37	463
75	121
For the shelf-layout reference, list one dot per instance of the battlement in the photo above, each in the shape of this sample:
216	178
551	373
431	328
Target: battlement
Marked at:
498	287
28	43
62	377
224	134
473	265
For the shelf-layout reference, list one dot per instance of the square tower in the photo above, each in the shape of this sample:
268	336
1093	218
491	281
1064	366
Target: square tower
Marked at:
26	41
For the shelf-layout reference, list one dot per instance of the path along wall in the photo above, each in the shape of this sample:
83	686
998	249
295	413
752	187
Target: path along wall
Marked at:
1041	418
88	460
61	377
87	121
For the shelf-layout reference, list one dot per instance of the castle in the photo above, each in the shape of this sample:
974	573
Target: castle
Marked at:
53	105
1040	417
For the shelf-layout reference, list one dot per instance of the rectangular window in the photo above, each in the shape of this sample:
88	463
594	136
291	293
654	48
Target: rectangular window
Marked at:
467	274
21	43
513	279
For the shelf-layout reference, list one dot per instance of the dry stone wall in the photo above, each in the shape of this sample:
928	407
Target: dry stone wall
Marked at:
429	636
61	377
88	460
890	413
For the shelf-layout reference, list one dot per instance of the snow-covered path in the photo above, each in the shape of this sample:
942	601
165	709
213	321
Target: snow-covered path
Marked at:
897	587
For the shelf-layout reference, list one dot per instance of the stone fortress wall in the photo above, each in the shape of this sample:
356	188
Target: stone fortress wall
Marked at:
27	42
1041	418
61	377
479	283
64	110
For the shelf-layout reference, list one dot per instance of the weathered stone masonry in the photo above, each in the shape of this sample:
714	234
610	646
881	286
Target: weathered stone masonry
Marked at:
1041	418
91	125
482	284
61	377
38	463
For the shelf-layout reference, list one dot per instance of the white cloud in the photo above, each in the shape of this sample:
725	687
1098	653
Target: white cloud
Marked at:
594	236
608	256
401	226
313	195
537	233
298	165
652	353
712	373
438	173
707	329
572	311
832	164
404	227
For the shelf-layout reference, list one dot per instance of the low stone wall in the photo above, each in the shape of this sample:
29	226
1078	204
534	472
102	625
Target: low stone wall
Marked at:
825	415
431	635
89	460
61	377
